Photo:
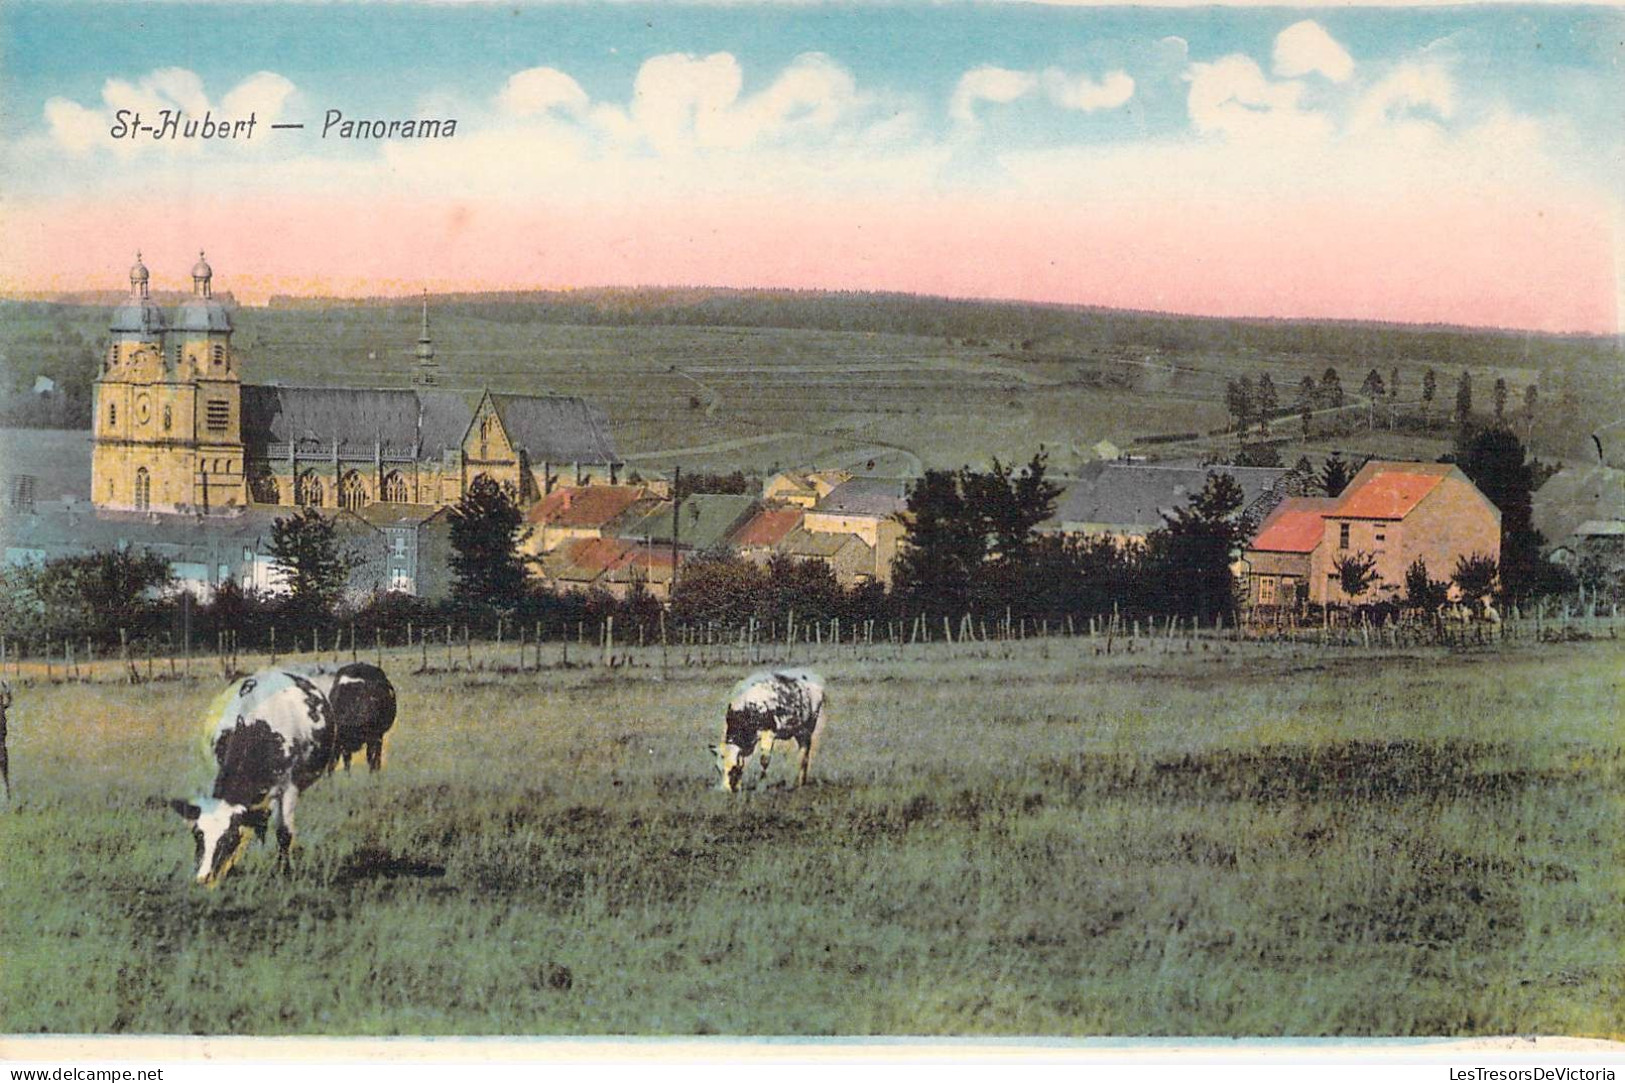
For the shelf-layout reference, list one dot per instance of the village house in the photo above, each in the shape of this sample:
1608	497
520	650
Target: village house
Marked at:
573	512
802	488
760	536
610	564
870	509
1127	501
1395	512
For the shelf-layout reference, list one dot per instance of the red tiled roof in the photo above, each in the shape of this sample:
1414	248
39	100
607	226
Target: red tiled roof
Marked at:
583	506
768	526
1296	526
1389	490
595	555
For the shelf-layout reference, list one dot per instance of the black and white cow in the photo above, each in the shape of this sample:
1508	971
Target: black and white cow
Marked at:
363	703
767	707
273	737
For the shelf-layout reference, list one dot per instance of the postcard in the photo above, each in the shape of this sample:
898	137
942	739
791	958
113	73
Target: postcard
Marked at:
823	521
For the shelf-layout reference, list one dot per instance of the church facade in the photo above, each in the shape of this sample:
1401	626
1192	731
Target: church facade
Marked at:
177	429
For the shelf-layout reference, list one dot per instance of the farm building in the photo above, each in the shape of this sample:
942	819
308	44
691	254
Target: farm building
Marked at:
609	564
573	512
1127	501
872	510
760	536
802	488
176	428
705	522
1396	512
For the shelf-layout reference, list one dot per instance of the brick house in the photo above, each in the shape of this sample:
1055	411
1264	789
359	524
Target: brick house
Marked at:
1397	512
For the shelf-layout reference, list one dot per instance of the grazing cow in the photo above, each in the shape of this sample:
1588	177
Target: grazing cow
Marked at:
363	703
273	738
767	707
5	760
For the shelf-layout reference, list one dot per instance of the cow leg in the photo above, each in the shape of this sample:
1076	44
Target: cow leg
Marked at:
767	752
375	754
5	769
284	827
805	744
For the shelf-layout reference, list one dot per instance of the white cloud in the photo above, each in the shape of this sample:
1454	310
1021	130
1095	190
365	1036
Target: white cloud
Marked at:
1305	47
1405	96
535	91
988	84
1233	97
80	129
1081	92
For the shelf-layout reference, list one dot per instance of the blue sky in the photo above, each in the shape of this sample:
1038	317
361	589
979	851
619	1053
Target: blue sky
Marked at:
1431	122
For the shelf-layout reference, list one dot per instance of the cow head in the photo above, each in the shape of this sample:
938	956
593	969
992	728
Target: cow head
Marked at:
222	830
731	762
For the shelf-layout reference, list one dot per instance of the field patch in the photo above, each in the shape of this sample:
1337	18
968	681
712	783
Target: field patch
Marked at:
1047	843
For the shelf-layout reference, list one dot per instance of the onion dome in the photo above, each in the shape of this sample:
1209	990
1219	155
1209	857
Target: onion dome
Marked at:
138	315
201	312
139	277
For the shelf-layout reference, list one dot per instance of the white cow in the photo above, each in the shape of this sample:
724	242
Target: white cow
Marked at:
770	706
273	737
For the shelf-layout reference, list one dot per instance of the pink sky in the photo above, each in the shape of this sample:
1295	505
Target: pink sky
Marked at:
1482	262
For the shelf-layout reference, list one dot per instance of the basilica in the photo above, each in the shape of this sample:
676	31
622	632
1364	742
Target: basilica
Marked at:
177	428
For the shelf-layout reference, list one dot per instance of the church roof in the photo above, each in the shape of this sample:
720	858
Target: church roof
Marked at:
139	315
201	314
548	428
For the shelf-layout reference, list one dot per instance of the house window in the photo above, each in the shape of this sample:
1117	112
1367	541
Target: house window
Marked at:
1266	590
1342	535
400	543
217	414
143	489
400	579
1382	535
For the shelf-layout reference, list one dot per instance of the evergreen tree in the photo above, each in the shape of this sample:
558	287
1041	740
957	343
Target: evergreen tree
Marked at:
1335	474
1500	398
1308	395
1331	389
1422	592
1496	462
486	529
1189	556
1267	402
1356	572
1464	398
1430	388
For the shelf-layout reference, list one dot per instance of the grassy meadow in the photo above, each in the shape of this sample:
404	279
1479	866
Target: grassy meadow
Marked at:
1031	839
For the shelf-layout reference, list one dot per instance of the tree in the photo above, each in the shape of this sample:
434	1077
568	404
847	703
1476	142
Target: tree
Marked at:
1266	400
1499	398
1356	572
1430	388
942	548
1464	398
1189	556
1422	592
1372	390
1261	454
1335	474
1531	400
1495	461
98	593
1331	389
305	550
1475	576
719	586
1308	394
807	588
1238	400
1393	397
486	529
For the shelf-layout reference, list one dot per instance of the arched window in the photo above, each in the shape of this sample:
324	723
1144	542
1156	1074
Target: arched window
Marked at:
352	492
395	488
262	487
310	491
218	355
143	489
486	425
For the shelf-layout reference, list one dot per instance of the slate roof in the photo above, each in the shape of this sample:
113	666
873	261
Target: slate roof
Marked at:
59	529
385	514
1388	490
548	428
820	544
1297	525
866	496
556	428
1135	497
